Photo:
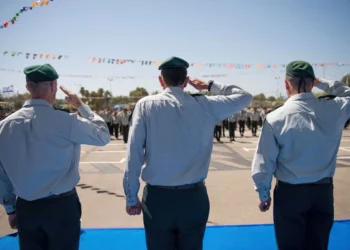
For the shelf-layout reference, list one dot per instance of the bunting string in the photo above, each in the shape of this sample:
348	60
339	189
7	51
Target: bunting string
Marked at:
23	10
110	78
100	60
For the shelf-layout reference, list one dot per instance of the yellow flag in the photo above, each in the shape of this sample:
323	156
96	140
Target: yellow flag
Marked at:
41	55
47	2
54	57
47	56
33	4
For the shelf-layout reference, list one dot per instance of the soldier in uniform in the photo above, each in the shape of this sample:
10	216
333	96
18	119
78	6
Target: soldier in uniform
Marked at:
124	120
39	158
217	131
175	202
241	121
298	145
255	117
232	126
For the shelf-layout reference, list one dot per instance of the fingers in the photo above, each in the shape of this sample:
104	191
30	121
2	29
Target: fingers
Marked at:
135	210
264	206
66	91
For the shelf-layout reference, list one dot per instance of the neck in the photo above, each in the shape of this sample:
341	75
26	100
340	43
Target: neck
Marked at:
45	98
294	92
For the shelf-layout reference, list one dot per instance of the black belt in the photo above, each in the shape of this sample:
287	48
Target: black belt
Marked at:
69	193
186	186
327	180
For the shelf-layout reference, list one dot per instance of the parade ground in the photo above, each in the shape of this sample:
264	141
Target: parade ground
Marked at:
232	197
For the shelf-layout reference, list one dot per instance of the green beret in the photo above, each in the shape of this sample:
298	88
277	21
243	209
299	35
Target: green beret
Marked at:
300	69
41	73
174	62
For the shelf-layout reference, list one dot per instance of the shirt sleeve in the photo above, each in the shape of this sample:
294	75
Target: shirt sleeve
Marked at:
265	162
229	99
340	90
7	197
89	129
135	157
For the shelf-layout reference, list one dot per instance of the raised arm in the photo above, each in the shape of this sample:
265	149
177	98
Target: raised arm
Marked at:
91	129
338	89
229	99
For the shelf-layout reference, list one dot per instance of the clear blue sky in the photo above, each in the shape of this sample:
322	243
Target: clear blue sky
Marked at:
221	31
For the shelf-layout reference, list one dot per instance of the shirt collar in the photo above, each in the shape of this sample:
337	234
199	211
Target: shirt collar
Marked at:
177	93
175	90
37	102
301	96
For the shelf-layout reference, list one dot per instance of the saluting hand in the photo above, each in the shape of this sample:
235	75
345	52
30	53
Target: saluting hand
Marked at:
198	84
265	206
72	98
134	210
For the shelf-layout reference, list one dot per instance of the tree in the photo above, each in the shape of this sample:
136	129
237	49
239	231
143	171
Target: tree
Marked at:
120	100
139	92
271	99
260	97
155	92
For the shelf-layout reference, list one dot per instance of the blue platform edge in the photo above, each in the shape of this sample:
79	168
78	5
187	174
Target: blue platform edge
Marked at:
238	237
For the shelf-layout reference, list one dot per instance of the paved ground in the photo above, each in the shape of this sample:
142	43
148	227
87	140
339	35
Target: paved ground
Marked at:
233	200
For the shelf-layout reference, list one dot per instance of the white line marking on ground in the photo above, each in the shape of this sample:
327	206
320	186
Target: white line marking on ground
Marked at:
97	152
345	149
248	149
103	162
343	157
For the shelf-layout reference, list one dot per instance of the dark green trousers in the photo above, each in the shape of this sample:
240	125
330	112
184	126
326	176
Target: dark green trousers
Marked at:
175	219
303	216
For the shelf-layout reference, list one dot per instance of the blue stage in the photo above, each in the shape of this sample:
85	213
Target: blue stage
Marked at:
247	237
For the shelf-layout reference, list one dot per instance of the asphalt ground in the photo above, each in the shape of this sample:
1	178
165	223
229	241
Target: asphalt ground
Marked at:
230	187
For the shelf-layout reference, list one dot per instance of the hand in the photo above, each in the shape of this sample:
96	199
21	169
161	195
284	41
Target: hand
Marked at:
265	206
13	220
198	84
71	98
134	210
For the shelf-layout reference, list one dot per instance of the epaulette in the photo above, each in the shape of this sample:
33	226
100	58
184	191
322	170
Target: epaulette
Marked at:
327	97
64	110
268	112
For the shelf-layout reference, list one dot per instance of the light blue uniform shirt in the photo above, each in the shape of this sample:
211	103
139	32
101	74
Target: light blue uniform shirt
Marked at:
40	150
300	140
172	136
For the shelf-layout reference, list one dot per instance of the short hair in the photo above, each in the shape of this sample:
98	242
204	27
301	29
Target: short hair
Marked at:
295	81
37	87
174	76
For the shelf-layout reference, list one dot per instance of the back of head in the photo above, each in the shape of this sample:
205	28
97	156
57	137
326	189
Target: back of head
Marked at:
174	71
174	77
300	76
41	82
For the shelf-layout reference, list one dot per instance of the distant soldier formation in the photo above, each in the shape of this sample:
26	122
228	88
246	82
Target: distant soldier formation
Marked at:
247	118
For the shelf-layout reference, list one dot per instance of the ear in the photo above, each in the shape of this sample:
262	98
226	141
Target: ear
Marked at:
53	86
162	83
186	82
287	85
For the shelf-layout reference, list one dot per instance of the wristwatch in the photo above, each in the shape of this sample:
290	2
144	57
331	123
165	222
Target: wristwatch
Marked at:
210	84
